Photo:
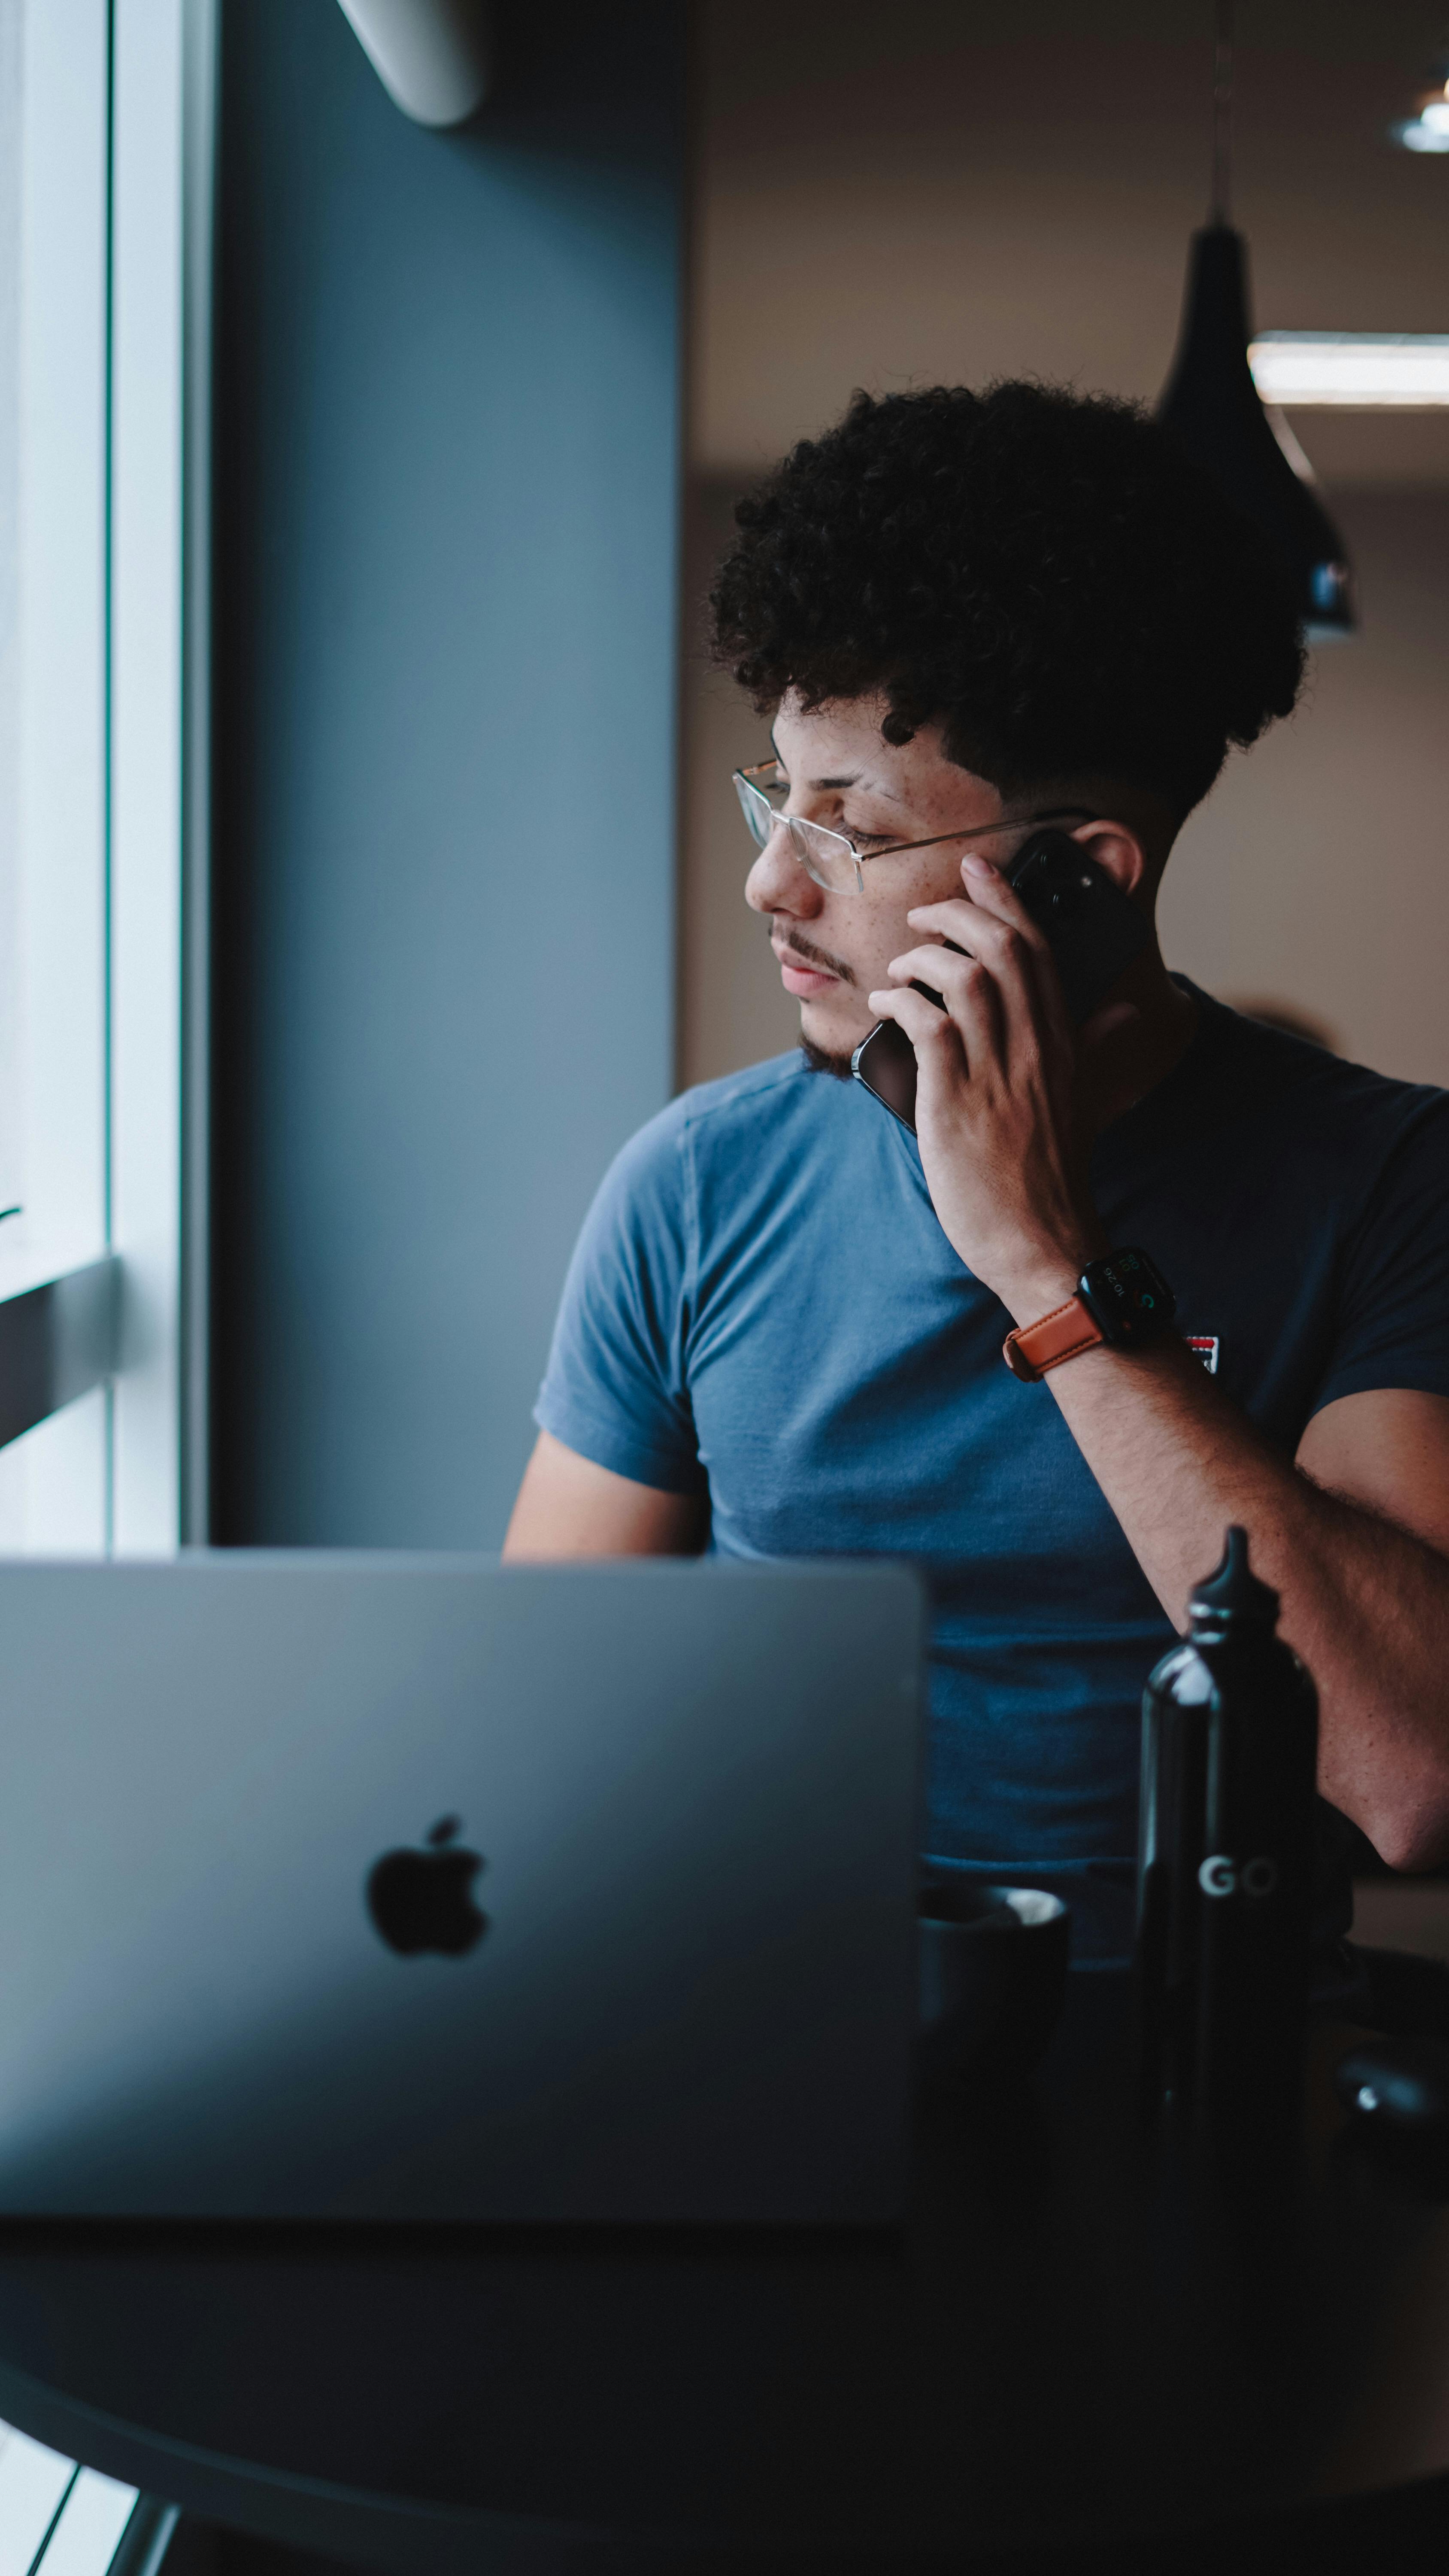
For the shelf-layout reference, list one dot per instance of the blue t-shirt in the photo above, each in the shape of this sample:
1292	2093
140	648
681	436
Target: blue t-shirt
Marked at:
763	1307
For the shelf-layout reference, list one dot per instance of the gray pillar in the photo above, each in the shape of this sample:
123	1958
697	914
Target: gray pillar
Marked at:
445	601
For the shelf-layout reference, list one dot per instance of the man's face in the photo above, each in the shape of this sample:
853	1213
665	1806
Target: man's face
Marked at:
833	949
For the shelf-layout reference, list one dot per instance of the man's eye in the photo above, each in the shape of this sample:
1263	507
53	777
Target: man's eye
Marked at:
863	840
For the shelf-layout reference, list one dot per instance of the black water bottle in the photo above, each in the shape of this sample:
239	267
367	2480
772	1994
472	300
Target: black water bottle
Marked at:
1226	1858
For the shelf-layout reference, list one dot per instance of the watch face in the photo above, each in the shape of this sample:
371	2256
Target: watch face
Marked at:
1128	1296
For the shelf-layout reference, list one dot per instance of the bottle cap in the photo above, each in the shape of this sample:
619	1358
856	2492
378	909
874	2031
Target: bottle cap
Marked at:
1232	1596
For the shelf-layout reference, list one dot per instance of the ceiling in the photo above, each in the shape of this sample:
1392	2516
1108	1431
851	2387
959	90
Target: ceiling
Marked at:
904	196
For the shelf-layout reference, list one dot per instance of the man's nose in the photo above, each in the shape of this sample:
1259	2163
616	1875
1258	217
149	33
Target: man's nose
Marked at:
778	883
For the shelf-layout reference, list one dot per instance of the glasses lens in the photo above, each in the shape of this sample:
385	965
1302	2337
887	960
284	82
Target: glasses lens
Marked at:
757	810
826	856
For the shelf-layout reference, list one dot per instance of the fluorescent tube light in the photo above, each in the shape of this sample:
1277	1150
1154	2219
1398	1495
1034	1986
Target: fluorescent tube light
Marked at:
1429	130
69	2521
33	2485
1353	370
90	2527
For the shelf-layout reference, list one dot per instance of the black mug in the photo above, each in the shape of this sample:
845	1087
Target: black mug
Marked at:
993	1976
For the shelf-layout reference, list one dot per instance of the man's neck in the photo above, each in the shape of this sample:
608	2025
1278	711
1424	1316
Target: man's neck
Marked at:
1135	1058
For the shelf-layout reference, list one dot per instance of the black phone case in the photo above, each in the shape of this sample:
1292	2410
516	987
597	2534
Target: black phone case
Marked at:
1091	928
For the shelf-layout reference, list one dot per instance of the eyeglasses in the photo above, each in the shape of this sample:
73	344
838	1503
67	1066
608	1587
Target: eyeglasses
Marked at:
832	858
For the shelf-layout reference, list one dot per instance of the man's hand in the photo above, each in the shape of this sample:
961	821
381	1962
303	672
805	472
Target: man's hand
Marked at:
998	1111
1004	1133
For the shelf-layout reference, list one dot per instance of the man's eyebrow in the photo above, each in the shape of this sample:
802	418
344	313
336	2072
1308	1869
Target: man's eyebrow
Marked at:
852	778
872	786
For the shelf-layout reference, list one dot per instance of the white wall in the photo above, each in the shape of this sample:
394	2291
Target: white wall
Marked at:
446	578
930	197
10	133
1318	870
946	191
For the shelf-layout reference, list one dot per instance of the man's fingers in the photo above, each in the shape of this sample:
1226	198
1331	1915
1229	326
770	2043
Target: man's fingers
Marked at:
968	988
1017	958
979	927
989	892
995	945
927	1027
946	970
941	1065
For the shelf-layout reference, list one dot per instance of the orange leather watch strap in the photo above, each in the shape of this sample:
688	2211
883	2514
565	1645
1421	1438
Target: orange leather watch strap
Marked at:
1034	1348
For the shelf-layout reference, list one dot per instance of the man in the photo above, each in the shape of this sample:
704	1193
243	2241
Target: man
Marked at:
782	1332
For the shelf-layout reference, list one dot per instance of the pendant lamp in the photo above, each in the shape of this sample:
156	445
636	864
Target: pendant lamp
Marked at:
1210	402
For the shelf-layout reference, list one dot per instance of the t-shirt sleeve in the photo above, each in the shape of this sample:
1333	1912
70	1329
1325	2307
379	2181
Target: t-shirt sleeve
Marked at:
615	1389
1394	1293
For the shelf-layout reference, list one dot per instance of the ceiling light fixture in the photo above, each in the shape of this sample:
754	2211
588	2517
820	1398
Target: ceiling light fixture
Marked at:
1212	406
1353	370
431	56
1429	130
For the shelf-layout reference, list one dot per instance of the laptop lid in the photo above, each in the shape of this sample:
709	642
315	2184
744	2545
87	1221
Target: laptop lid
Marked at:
429	1889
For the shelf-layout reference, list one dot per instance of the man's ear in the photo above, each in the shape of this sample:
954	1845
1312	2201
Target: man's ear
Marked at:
1117	848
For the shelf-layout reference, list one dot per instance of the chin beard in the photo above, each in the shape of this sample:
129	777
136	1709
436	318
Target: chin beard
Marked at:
819	1059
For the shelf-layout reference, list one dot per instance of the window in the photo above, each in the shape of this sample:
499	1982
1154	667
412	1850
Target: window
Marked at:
104	224
72	2521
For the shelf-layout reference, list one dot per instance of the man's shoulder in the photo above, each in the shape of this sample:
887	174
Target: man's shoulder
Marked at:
1269	1072
712	1114
737	1115
757	1096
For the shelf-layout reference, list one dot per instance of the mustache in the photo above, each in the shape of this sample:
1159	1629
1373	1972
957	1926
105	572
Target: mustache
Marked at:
810	955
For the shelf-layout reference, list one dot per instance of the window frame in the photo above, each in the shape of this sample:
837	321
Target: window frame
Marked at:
118	124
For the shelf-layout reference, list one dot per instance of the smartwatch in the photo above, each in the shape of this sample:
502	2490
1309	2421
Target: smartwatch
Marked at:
1121	1300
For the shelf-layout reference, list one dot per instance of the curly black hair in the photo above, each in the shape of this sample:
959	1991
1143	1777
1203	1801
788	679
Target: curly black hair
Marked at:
1043	573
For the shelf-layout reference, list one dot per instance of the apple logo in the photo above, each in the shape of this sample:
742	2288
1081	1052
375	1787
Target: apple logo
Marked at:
423	1900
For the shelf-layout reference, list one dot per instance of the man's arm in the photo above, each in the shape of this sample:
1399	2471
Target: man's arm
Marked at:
1355	1537
568	1507
1357	1543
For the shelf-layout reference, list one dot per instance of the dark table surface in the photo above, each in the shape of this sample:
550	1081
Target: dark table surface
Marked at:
1079	2335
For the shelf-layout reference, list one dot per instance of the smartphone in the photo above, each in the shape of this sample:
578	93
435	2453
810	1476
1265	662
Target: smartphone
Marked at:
1092	929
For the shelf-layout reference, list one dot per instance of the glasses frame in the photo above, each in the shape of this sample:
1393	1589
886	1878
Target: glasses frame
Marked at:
859	859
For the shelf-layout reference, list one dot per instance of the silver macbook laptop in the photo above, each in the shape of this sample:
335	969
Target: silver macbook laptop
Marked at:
429	1889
